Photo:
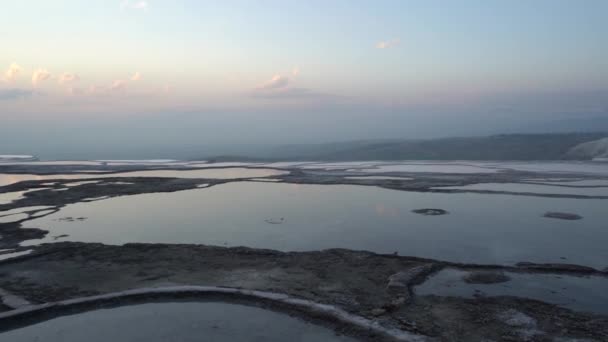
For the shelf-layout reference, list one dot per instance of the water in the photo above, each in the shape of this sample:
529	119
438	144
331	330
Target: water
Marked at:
578	293
9	197
439	168
7	256
480	228
581	167
379	178
18	214
585	182
184	322
532	188
214	173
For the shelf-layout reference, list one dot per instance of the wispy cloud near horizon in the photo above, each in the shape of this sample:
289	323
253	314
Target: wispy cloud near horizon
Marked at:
276	82
40	75
279	87
67	78
387	44
136	77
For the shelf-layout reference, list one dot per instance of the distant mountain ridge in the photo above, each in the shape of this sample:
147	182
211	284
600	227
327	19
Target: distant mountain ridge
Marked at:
552	146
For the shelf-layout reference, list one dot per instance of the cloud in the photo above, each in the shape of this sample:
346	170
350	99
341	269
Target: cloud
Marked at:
118	85
67	78
134	5
14	94
276	82
39	76
387	44
279	87
13	72
136	77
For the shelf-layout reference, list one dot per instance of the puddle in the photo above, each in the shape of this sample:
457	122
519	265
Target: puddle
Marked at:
576	293
24	209
286	164
215	173
183	321
13	218
42	213
80	183
437	168
532	188
92	199
53	163
9	197
140	161
226	173
557	167
224	164
479	228
7	256
342	165
584	182
380	178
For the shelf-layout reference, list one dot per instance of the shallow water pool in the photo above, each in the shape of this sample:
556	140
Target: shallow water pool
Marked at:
181	321
581	293
479	228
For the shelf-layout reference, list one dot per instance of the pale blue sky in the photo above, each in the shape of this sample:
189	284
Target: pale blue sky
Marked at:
441	59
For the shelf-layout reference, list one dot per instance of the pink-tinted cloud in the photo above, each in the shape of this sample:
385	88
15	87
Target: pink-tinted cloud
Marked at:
276	82
136	77
67	78
40	75
12	73
279	87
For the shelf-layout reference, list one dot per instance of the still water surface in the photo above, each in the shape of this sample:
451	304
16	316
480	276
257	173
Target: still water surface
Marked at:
184	322
581	293
486	229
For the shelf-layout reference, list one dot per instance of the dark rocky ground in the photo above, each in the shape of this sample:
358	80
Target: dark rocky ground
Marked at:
378	287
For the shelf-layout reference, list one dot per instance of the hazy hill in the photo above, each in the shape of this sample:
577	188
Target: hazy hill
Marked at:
497	147
590	150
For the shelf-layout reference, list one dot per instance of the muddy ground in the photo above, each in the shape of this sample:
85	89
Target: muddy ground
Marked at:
375	286
378	287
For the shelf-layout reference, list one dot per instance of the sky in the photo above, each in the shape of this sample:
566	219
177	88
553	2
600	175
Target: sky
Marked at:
263	71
